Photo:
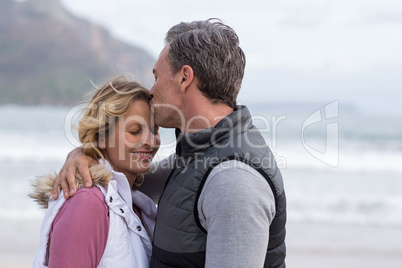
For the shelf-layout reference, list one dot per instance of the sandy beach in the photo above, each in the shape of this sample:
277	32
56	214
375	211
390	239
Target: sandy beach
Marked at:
18	242
308	245
330	246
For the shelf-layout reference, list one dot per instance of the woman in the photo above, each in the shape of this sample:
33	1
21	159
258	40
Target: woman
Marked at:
109	225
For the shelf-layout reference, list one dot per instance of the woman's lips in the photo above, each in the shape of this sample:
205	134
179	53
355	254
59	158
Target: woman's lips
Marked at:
144	154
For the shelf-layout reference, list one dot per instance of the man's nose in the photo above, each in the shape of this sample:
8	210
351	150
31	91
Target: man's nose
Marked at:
151	93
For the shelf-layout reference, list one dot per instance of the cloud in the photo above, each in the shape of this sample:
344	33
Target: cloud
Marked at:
348	36
332	47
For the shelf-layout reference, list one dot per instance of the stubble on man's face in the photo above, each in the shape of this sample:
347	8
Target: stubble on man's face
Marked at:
167	99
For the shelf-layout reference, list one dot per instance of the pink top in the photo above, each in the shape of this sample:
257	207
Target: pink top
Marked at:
79	232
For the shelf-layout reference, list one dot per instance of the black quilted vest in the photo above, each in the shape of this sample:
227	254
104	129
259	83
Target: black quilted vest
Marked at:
179	238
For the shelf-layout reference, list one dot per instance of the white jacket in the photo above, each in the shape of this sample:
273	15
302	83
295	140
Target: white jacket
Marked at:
128	243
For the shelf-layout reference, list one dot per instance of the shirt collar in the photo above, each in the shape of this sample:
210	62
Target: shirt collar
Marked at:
123	187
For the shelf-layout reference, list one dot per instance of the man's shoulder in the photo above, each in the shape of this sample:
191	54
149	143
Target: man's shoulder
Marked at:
234	172
234	166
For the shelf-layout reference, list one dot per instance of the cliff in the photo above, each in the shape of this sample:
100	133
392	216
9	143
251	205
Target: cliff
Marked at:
48	56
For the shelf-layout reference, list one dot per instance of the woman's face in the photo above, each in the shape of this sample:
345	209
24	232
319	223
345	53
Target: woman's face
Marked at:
133	142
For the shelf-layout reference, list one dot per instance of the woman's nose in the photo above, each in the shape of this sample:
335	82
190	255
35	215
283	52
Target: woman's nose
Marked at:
150	140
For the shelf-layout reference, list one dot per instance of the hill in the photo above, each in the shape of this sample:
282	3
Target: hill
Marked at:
48	56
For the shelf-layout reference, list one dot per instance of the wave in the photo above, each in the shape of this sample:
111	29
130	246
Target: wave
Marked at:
368	211
293	156
358	211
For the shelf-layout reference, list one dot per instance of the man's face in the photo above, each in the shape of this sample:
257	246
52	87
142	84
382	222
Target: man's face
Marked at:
167	99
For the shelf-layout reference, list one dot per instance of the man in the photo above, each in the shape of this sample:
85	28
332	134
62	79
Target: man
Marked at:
223	203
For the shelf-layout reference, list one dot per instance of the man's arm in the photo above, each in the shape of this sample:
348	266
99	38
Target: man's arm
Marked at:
78	161
236	207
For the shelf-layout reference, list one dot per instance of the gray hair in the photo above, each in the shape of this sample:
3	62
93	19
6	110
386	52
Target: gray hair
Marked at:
212	49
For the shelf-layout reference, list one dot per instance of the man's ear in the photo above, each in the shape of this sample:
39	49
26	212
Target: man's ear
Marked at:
186	76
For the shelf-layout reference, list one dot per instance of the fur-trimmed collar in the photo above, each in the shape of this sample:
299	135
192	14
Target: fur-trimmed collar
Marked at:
43	186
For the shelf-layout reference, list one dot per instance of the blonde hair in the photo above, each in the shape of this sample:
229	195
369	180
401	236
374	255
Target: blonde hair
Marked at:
111	99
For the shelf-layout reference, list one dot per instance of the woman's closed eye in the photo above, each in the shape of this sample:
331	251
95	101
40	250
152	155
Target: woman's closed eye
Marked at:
136	132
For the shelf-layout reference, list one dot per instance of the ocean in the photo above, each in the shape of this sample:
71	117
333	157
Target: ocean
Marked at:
342	171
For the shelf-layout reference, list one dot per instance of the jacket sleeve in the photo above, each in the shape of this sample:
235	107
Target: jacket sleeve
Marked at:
236	207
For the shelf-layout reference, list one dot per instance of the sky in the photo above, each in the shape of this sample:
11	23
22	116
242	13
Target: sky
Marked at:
296	51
